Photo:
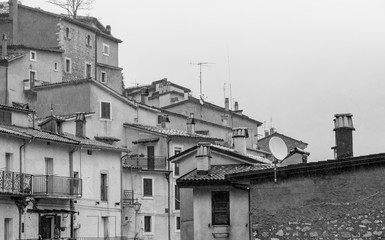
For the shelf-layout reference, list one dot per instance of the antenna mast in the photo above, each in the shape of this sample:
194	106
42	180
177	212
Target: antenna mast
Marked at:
200	74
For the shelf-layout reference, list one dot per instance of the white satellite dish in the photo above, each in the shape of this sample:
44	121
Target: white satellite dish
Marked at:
278	148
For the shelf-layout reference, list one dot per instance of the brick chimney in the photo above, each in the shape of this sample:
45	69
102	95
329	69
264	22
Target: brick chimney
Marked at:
203	159
227	104
14	16
80	125
239	138
108	28
191	124
4	45
343	128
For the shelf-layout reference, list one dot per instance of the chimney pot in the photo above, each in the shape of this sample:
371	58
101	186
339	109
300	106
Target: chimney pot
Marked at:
239	137
80	125
236	106
203	158
108	27
343	127
191	124
4	46
186	95
227	104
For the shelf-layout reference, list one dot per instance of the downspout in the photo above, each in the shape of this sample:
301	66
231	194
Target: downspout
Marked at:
6	85
168	189
250	230
72	204
96	55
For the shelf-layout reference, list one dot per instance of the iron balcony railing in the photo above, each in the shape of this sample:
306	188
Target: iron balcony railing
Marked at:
81	238
15	183
56	186
146	162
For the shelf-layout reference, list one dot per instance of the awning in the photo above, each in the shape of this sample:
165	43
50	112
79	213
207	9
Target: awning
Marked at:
37	210
147	140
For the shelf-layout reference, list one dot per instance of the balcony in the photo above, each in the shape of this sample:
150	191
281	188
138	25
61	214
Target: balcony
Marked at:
145	162
28	84
56	186
11	183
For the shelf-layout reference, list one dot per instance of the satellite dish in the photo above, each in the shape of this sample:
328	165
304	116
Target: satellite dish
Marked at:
278	148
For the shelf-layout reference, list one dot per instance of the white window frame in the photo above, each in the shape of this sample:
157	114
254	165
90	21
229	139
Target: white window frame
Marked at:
32	70
30	56
173	165
100	109
108	47
67	34
65	65
101	76
152	185
152	225
177	230
176	210
108	184
55	66
85	69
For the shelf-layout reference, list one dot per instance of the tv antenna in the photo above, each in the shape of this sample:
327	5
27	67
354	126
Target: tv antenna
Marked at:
200	64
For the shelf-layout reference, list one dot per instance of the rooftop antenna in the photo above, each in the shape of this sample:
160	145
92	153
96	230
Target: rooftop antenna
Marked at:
228	67
200	64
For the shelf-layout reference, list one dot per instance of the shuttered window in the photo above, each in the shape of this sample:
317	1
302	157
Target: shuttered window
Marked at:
147	224
147	187
105	110
5	117
220	208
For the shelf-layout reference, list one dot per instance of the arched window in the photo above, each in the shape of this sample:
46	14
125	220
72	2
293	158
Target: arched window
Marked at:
67	32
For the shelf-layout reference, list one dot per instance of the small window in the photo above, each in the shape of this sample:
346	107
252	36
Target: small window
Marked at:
33	56
103	77
88	70
68	65
106	49
177	197
105	110
147	187
88	40
220	208
89	152
147	224
32	76
103	187
177	224
55	67
67	32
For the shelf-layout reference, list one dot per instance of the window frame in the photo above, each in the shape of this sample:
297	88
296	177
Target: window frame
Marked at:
55	66
152	188
67	33
85	69
70	65
30	56
175	147
175	199
176	224
101	114
151	225
215	223
107	47
88	40
107	184
101	76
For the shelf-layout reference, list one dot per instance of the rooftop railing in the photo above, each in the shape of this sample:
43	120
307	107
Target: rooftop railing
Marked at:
15	183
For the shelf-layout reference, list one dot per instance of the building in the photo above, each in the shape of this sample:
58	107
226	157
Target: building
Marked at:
80	48
62	178
212	206
150	180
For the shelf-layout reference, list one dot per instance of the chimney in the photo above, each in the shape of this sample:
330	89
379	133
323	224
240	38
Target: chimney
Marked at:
236	106
165	121
272	130
108	27
185	95
343	127
239	138
266	133
227	104
4	46
143	94
203	159
14	16
191	124
80	125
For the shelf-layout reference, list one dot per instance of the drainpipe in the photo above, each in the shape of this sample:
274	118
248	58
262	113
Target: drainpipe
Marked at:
96	55
250	230
72	205
6	85
168	189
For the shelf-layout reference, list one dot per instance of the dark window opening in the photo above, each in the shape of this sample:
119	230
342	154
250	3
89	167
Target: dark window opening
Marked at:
5	117
177	198
103	187
147	187
105	110
147	224
220	208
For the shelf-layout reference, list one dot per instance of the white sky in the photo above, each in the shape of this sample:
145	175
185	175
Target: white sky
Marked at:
298	62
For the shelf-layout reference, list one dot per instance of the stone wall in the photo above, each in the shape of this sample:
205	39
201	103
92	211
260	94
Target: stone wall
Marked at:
345	205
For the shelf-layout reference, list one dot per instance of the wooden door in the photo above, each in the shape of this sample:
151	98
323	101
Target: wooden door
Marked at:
150	157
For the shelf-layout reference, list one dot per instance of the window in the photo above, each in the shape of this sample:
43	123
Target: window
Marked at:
105	110
8	162
147	187
88	40
67	32
176	169
32	75
88	70
177	197
177	224
55	67
147	224
103	77
68	66
106	49
32	56
103	187
5	117
8	229
220	208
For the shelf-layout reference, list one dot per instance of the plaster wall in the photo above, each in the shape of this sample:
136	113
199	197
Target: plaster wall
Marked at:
113	58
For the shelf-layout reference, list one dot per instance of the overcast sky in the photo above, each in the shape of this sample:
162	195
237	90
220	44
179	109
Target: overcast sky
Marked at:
298	62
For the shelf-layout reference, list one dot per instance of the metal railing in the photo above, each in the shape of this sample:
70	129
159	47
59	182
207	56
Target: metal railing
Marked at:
80	238
49	185
28	84
14	183
146	162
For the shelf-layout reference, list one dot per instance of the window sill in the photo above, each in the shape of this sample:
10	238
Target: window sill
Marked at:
147	198
148	233
105	119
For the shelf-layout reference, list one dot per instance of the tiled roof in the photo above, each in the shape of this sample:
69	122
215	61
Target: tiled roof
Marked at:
16	109
62	117
9	131
93	143
257	159
12	56
4	7
40	134
171	132
219	172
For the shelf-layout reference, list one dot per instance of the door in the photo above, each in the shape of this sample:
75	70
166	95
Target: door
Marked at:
150	157
8	227
106	234
47	227
49	175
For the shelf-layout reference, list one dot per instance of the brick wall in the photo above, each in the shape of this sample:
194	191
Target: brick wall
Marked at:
348	205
